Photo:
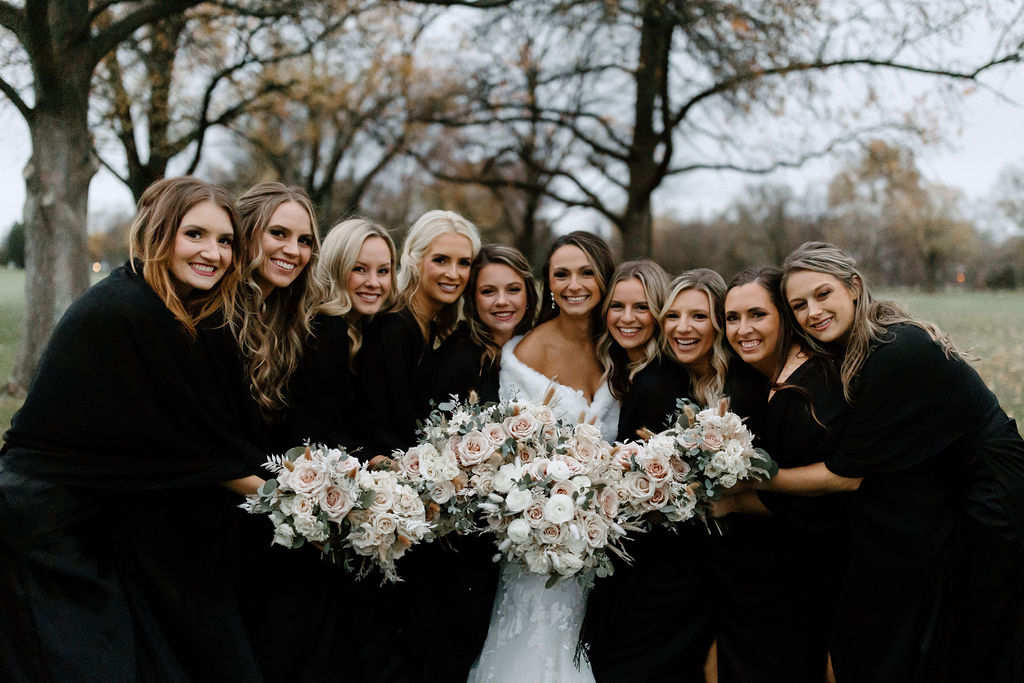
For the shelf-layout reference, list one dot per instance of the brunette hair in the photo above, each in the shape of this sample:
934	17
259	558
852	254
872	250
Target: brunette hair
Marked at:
152	238
479	333
272	331
600	257
707	388
338	255
619	370
423	232
871	317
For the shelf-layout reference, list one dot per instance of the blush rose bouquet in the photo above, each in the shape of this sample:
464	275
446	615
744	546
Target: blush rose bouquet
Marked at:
360	516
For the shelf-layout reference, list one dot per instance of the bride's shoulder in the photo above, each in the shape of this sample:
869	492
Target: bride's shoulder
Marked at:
532	349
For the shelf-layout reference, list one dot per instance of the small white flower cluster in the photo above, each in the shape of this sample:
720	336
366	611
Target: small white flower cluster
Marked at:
325	496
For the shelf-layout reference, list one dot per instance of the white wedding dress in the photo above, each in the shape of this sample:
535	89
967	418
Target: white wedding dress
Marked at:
534	630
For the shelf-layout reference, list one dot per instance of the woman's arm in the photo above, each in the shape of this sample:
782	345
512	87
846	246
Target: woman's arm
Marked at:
246	486
809	480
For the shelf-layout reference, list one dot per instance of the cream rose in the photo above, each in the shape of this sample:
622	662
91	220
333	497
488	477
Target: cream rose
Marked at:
307	477
713	440
519	530
534	514
559	508
595	531
336	502
522	426
638	485
442	491
473	449
608	501
518	499
549	534
495	433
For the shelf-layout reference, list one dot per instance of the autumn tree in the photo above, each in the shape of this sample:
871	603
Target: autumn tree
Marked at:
670	87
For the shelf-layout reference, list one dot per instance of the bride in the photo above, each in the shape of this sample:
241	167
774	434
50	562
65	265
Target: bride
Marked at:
534	630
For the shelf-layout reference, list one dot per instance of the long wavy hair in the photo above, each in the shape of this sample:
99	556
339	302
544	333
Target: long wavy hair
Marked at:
871	317
338	255
707	388
151	241
272	331
600	257
619	369
423	232
479	333
769	279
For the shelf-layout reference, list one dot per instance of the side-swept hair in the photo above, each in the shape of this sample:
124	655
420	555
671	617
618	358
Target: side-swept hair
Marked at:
619	371
272	331
870	317
151	241
601	259
338	255
707	388
498	254
423	232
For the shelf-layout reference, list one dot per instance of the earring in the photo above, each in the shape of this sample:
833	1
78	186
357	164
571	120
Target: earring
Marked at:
552	299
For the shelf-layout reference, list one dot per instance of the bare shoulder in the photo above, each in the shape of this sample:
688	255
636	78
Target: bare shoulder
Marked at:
533	349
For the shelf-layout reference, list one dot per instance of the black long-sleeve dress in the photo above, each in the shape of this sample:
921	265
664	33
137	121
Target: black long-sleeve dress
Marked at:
802	424
459	367
940	460
651	620
122	432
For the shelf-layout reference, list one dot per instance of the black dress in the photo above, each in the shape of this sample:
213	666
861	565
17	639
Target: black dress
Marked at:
459	367
802	424
122	430
940	459
651	620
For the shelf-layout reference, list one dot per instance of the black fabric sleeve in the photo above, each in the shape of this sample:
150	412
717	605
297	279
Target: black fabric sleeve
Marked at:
124	399
651	399
910	405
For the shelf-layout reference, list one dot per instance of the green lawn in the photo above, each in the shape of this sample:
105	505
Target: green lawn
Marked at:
989	324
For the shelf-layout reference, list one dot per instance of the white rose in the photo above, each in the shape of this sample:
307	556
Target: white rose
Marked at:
383	525
549	534
659	445
582	481
346	466
442	491
727	481
522	426
407	503
544	415
560	508
595	531
506	477
306	525
734	448
284	535
364	480
588	433
483	483
336	502
517	499
473	449
566	564
495	433
519	530
558	470
307	477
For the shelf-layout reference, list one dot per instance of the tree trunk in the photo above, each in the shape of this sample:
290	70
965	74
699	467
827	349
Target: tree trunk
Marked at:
57	180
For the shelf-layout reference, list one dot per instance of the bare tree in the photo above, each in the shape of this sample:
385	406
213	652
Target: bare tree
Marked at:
676	86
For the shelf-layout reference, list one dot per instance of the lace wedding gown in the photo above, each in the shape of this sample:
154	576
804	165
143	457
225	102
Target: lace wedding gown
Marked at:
534	630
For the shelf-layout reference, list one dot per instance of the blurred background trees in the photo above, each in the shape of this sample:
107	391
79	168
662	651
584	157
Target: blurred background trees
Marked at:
528	116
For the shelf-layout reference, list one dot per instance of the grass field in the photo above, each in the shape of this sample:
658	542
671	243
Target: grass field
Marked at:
989	324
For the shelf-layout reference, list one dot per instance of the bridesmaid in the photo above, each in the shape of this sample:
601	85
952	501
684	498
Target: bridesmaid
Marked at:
933	458
394	368
272	326
120	419
396	359
803	419
500	302
635	634
357	263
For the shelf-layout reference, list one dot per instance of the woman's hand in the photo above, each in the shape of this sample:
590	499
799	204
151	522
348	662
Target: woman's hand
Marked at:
246	486
746	502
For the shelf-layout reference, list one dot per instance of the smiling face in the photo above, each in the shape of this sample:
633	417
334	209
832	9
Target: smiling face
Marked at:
500	300
202	248
630	320
287	247
753	326
444	269
822	304
573	281
689	331
369	281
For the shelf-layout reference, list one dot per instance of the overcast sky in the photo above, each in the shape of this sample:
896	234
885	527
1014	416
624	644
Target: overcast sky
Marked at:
990	137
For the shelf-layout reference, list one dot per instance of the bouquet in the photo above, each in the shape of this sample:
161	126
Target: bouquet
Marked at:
353	512
652	477
717	444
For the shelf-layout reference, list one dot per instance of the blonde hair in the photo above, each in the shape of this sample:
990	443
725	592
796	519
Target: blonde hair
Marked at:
338	255
479	333
871	318
152	237
619	370
273	331
709	388
423	232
